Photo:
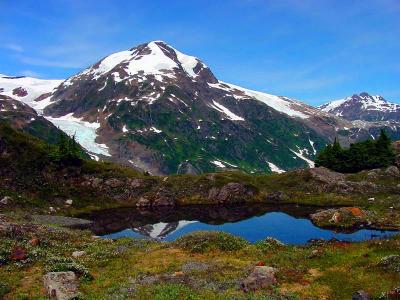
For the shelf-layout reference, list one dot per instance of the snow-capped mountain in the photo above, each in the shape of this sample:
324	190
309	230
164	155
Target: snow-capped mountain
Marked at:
159	110
364	107
32	91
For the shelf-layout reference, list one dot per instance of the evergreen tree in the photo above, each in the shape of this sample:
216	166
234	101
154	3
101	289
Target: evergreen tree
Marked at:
359	156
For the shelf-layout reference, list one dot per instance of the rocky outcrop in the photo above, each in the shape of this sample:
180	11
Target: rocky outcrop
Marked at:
326	176
261	277
345	217
161	197
61	285
231	193
276	196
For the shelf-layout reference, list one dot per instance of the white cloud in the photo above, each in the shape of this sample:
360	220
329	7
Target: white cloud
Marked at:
13	47
30	73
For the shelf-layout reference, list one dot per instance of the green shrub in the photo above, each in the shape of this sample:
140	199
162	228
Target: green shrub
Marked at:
202	241
359	156
269	244
63	264
4	289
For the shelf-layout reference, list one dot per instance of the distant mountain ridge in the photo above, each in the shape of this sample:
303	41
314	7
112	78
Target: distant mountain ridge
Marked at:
365	107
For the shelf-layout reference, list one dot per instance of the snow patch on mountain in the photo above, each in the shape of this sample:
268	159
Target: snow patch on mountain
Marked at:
27	89
280	104
275	168
300	154
85	132
226	111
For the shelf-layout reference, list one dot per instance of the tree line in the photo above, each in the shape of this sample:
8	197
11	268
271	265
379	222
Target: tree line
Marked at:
369	154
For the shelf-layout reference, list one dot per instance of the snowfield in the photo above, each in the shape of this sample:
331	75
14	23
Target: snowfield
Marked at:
85	133
33	87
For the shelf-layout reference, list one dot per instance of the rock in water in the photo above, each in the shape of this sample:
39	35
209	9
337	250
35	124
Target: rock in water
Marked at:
61	285
260	277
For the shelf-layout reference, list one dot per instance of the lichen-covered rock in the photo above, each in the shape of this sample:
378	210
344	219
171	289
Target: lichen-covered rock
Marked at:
345	217
143	202
326	176
231	193
114	183
392	171
391	263
276	196
260	277
61	285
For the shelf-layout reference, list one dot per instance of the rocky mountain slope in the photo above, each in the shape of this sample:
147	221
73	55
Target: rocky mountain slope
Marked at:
162	111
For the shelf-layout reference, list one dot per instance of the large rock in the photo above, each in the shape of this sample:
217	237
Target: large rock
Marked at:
162	197
346	217
326	176
61	285
392	171
260	277
231	193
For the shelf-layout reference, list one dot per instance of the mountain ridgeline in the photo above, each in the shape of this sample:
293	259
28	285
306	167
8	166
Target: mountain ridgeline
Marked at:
158	110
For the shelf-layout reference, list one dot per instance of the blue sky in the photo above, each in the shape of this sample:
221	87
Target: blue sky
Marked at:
311	50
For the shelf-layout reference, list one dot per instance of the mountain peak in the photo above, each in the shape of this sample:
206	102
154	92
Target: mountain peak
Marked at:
155	58
363	106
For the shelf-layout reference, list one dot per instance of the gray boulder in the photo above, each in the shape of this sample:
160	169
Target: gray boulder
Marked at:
326	176
61	285
260	277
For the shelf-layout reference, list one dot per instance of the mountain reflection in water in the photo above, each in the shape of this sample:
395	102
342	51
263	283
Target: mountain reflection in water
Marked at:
288	223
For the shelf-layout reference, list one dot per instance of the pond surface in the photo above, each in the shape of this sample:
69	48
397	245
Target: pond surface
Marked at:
289	224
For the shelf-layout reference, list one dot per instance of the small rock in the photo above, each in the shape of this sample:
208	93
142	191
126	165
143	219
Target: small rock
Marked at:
51	209
143	202
18	254
391	263
260	277
69	202
5	200
114	183
61	285
336	218
77	254
361	295
178	274
315	253
392	171
275	196
34	241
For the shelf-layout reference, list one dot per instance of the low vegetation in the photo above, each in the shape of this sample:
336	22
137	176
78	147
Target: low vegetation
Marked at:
144	269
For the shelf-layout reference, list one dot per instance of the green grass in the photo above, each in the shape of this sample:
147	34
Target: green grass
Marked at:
140	269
